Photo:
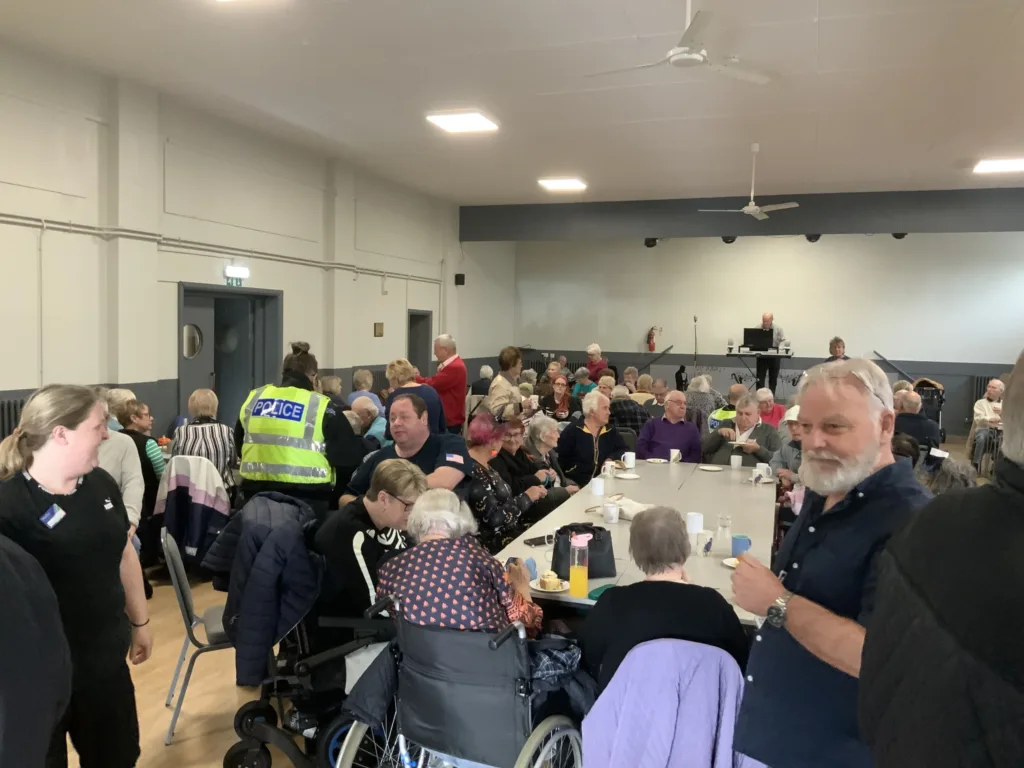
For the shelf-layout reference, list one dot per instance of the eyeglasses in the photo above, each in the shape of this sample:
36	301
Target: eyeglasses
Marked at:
405	504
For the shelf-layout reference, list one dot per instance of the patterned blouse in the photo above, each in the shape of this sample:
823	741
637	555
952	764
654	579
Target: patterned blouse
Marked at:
455	583
498	512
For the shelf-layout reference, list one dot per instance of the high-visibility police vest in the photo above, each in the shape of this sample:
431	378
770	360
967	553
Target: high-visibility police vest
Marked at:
284	436
724	413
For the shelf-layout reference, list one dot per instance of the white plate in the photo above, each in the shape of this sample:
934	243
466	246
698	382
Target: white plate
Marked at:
730	562
709	468
628	476
657	461
535	585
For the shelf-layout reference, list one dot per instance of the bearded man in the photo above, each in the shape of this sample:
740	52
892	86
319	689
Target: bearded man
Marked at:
800	700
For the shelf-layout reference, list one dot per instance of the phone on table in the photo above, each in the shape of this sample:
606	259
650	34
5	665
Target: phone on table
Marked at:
540	541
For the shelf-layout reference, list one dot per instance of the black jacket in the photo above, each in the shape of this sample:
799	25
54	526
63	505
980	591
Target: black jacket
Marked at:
919	427
576	451
35	662
150	479
516	469
942	672
274	577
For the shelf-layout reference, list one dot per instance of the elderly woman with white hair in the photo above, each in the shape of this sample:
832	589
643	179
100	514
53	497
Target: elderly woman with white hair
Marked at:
449	580
596	362
770	411
540	446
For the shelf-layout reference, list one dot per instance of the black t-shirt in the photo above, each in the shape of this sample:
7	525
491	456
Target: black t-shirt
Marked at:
353	548
440	450
78	539
625	617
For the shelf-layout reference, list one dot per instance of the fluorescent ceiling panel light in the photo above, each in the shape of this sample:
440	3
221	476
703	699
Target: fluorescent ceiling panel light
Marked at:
1008	165
463	122
236	270
563	185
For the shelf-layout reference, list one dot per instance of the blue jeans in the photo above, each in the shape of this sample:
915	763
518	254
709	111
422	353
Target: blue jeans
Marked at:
984	439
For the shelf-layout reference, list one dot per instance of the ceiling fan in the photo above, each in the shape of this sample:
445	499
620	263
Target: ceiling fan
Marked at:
691	51
759	212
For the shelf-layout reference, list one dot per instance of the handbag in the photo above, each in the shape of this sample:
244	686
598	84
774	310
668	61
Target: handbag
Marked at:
600	558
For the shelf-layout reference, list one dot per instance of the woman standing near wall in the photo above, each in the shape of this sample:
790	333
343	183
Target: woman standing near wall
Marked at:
69	516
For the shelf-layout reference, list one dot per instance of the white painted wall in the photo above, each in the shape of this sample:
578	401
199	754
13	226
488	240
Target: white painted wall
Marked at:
949	298
486	303
83	148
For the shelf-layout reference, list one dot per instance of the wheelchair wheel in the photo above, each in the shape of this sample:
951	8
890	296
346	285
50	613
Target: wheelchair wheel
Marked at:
555	743
365	747
253	712
247	754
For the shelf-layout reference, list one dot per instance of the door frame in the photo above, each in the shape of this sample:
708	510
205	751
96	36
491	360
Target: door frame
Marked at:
427	313
268	339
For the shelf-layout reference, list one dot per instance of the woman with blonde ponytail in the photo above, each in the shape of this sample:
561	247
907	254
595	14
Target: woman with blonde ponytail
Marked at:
69	516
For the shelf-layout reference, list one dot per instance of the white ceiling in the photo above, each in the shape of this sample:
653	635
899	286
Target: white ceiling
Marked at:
870	95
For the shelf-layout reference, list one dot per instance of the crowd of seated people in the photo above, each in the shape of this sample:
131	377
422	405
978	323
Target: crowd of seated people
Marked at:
626	413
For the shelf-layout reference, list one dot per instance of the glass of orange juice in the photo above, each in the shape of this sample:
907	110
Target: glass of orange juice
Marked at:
578	565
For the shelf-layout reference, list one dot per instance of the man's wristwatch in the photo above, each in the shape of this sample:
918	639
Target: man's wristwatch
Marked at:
777	611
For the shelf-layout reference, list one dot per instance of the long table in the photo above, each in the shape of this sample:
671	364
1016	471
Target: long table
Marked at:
683	487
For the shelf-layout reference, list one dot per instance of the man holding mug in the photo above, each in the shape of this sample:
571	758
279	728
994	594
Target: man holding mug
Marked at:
744	436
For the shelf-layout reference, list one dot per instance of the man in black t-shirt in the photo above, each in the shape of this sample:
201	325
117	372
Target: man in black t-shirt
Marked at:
357	537
442	457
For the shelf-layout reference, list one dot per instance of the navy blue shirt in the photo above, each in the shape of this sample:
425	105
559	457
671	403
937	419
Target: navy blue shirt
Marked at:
798	711
440	450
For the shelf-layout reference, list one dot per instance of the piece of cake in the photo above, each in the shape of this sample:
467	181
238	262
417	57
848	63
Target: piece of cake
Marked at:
550	580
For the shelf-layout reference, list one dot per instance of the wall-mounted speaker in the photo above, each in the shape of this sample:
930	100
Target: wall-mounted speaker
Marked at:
460	278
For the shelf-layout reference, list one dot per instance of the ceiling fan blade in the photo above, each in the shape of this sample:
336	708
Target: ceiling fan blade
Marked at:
628	69
695	36
779	207
739	73
719	210
759	215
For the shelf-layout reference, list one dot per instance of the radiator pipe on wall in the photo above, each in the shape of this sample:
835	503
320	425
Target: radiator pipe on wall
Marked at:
173	244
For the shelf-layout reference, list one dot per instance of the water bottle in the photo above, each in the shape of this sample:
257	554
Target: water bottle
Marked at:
579	558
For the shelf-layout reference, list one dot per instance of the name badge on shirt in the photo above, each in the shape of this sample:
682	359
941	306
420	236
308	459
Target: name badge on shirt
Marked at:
52	516
108	504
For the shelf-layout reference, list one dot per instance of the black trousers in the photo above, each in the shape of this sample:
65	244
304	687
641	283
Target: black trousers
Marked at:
102	722
768	367
456	430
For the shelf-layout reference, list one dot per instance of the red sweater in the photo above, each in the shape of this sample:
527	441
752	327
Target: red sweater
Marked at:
450	383
774	416
595	367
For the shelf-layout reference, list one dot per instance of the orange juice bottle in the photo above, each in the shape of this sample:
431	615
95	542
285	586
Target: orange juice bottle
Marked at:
578	561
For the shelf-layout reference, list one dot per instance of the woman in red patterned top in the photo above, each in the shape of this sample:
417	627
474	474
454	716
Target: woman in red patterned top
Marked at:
449	580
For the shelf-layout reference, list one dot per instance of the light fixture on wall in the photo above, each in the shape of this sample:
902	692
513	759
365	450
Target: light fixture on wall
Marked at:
1004	165
563	185
463	121
236	272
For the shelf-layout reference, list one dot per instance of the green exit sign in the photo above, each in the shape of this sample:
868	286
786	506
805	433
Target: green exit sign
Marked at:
234	282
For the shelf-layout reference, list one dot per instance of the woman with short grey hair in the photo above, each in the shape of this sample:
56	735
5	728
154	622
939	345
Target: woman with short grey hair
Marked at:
700	399
541	441
449	580
664	605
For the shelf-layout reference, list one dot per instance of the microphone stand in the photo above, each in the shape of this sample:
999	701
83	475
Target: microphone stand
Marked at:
694	342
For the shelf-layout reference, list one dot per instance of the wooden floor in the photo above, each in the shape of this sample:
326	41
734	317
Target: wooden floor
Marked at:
205	729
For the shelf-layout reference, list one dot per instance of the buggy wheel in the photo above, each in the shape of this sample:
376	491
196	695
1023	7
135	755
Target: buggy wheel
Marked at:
247	754
254	712
555	743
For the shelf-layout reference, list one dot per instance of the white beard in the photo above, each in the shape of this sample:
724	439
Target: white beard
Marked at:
826	481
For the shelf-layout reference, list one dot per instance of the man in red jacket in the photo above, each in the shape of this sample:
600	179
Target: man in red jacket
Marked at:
449	382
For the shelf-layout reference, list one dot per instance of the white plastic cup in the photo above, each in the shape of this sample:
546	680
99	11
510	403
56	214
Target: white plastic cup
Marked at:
674	454
611	512
735	462
597	486
694	523
629	459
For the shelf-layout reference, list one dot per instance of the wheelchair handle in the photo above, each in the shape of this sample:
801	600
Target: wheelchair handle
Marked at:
515	628
379	607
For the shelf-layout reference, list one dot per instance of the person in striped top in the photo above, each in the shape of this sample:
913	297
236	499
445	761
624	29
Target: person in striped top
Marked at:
204	436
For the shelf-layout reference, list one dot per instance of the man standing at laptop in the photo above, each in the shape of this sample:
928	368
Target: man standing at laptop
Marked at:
769	366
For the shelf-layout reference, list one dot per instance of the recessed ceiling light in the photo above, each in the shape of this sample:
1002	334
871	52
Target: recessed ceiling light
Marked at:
563	185
467	121
1008	165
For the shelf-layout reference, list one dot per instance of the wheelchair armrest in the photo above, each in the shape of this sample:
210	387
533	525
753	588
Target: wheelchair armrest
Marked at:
379	607
304	667
515	628
357	624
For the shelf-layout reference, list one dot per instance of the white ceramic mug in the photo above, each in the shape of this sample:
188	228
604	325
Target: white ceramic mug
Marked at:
629	459
608	470
674	454
735	462
611	512
597	486
765	470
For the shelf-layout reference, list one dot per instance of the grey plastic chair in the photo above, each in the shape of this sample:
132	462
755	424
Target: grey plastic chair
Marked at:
212	622
628	437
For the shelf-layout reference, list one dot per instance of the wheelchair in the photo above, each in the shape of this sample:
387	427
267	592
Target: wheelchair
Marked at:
460	697
316	683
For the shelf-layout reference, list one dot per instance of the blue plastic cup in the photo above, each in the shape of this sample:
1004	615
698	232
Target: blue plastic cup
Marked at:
740	544
531	566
